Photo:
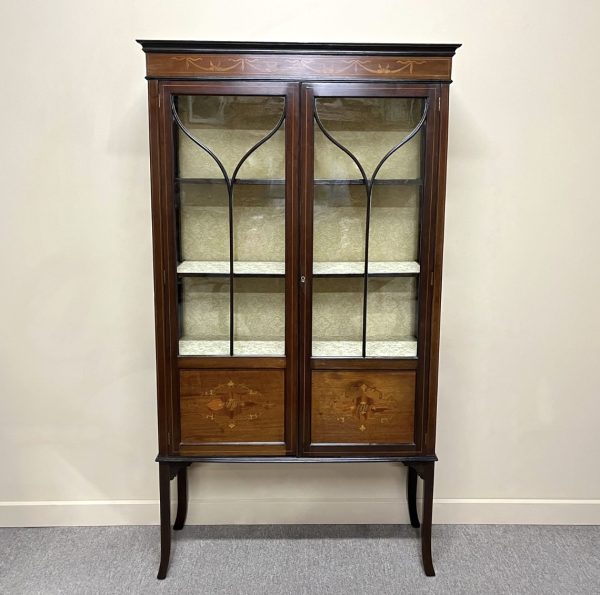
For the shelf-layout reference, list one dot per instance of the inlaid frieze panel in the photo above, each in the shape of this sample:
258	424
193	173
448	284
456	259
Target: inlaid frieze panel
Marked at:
307	67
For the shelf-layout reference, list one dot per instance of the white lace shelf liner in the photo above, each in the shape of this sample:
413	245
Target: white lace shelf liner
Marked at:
222	267
196	347
278	268
405	348
353	268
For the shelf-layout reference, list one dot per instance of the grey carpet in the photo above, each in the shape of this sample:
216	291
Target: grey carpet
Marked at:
309	559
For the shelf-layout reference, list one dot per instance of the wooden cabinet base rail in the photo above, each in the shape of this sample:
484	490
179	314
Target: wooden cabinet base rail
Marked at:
176	467
387	459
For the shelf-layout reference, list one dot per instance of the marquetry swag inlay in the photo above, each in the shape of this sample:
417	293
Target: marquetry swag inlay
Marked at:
250	65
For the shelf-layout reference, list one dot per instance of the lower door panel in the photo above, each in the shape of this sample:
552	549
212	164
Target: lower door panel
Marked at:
232	411
363	407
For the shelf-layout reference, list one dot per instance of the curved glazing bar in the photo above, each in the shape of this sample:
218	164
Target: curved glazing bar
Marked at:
198	143
408	137
339	145
261	142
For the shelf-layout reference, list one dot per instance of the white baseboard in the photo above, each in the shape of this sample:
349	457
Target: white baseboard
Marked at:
301	511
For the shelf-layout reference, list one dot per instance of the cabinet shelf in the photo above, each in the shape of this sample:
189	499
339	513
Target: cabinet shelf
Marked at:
221	268
191	346
321	348
403	348
277	269
378	182
318	182
357	269
245	181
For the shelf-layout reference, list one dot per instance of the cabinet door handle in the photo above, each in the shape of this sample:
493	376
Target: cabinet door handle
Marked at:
302	279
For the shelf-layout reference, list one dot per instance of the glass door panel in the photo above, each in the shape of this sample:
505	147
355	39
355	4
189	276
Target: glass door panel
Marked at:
368	128
337	317
259	228
203	227
392	317
230	203
204	315
394	229
259	316
230	126
367	202
333	165
339	228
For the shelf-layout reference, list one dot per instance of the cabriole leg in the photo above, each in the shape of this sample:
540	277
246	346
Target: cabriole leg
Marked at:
165	519
182	498
427	475
411	497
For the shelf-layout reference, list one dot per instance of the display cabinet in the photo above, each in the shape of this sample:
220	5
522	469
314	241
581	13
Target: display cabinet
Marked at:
297	215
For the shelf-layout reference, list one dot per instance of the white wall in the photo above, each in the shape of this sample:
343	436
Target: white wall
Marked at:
519	399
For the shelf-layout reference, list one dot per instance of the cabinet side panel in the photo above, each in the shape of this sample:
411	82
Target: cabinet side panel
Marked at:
363	407
157	249
438	231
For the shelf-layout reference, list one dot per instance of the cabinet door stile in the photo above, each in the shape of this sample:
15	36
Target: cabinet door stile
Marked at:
292	260
162	363
437	261
169	281
427	246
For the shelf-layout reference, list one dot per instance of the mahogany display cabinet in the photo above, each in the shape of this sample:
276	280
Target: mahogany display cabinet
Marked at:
297	217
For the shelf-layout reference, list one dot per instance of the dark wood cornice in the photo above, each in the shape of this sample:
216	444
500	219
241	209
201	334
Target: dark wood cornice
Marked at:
253	47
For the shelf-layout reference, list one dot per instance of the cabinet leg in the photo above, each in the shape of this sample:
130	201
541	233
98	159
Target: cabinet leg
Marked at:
165	519
182	498
411	497
427	475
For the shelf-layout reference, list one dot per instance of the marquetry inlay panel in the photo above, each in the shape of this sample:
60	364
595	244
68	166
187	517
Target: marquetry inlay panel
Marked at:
232	406
363	407
297	66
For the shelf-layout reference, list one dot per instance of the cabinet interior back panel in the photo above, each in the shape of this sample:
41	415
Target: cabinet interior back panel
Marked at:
339	223
258	222
259	309
338	309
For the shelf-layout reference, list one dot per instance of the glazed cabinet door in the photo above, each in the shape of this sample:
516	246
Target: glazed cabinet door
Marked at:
230	265
367	192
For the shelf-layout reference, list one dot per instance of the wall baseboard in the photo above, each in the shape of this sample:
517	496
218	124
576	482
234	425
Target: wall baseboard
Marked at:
300	511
